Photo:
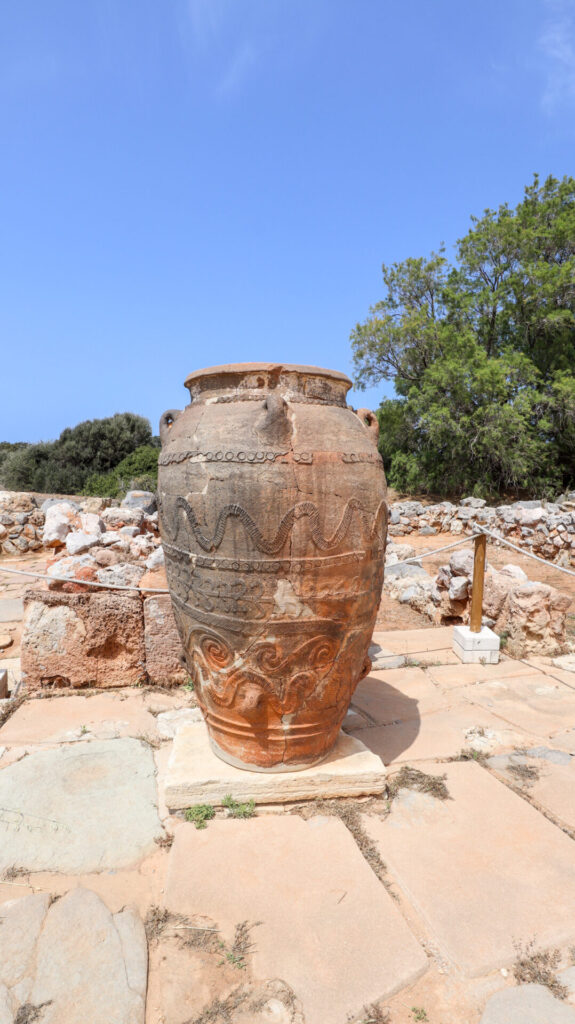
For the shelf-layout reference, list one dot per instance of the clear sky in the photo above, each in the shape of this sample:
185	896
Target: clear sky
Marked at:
192	182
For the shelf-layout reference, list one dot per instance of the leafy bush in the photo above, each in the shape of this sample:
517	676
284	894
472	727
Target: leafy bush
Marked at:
63	466
138	471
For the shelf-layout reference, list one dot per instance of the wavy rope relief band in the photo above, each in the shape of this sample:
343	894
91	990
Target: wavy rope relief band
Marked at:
305	509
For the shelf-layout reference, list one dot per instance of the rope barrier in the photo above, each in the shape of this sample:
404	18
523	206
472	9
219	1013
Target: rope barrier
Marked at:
528	554
85	583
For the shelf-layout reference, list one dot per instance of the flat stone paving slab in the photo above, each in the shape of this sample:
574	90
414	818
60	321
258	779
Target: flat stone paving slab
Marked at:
438	734
328	927
536	704
414	641
195	775
527	1004
69	719
484	869
11	609
397	695
90	806
450	677
72	960
553	782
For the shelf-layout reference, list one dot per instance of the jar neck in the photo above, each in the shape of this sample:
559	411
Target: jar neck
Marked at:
229	385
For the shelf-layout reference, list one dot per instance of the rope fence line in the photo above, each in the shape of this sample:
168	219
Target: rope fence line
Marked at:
402	561
85	583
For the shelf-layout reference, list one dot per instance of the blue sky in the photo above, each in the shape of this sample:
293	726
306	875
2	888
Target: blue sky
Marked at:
192	182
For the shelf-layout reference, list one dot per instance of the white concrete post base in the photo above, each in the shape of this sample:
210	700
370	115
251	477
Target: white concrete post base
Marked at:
476	648
195	775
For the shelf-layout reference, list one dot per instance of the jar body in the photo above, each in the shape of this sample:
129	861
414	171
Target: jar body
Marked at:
273	521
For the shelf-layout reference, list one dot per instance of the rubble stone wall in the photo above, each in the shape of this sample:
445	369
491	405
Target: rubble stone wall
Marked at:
544	528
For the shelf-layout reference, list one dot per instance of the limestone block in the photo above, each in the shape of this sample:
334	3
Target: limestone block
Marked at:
164	650
59	521
196	775
78	541
114	518
94	639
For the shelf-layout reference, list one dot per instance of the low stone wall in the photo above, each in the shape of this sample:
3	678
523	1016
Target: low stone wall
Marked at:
546	529
21	523
101	639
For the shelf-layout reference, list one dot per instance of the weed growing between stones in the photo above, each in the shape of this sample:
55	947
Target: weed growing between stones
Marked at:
222	1011
236	954
150	741
183	929
13	872
372	1014
164	842
349	813
419	1013
238	810
28	1014
199	814
469	754
538	967
10	707
526	774
412	778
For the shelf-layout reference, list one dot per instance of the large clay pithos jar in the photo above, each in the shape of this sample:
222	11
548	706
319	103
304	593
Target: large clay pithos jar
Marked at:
273	520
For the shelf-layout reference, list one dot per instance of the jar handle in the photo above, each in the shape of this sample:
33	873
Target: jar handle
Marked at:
167	421
370	422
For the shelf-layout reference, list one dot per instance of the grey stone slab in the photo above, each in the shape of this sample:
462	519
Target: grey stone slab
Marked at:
527	1004
553	756
87	807
88	970
11	609
20	926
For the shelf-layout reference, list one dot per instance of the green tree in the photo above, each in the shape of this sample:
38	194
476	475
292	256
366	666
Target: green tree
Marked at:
63	466
481	353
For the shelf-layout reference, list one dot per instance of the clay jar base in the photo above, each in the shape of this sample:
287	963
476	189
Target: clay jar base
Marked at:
276	769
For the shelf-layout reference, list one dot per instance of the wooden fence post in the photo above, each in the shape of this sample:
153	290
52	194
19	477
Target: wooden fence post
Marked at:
477	585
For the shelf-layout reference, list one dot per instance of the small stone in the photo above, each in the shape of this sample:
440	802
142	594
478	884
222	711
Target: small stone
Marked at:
77	542
458	588
146	500
156	559
5	641
461	562
169	722
124	574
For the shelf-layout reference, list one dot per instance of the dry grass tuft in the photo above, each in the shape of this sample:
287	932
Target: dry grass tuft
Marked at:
28	1014
538	967
526	774
412	778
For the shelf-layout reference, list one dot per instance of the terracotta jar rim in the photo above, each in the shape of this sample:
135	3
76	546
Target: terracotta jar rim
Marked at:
238	370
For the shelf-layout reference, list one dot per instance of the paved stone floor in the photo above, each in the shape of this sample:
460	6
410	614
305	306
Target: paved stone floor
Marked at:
410	907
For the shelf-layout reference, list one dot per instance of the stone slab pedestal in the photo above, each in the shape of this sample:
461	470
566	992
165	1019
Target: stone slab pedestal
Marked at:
476	648
195	775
